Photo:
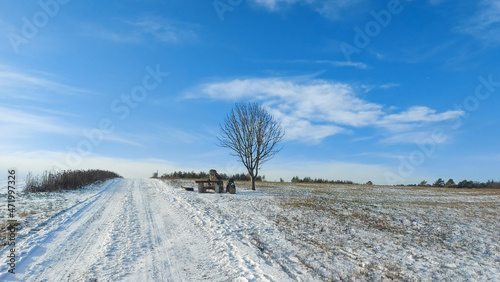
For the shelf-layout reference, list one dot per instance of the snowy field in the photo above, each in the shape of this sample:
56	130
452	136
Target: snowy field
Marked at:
151	230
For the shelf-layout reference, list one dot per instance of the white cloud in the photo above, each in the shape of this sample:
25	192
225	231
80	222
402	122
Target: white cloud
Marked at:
303	130
416	115
309	110
313	109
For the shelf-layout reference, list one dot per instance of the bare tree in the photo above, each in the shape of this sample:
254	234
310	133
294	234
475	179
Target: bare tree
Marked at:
253	135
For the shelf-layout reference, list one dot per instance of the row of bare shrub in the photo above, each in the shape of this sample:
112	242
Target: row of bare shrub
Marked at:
204	175
65	180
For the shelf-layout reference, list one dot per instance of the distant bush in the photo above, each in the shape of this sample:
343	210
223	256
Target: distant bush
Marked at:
202	175
184	174
475	184
65	180
490	184
307	179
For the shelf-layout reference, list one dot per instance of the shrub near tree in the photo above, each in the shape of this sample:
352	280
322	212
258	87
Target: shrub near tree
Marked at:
450	183
423	183
439	183
465	184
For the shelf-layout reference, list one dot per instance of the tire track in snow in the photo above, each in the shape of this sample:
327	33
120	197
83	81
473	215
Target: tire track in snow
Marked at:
34	243
89	229
186	245
111	251
161	267
138	230
76	241
249	264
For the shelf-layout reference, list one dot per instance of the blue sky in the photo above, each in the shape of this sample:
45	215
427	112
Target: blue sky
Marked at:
387	91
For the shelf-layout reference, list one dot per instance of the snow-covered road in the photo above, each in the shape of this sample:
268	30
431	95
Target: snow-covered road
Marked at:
131	230
151	230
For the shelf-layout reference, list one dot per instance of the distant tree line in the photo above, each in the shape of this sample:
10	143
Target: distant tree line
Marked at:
51	181
308	179
462	184
202	175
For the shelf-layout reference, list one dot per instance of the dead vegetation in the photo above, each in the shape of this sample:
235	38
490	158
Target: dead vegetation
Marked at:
65	180
345	223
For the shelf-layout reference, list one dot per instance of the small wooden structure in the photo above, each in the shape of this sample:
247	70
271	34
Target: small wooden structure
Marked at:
204	185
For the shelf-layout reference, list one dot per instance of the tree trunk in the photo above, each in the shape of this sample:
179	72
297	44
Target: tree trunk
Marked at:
253	182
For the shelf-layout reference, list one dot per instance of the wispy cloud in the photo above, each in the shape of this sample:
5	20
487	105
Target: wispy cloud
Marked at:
52	112
370	87
436	2
27	85
276	4
485	24
486	158
335	9
416	137
332	9
165	32
117	36
26	124
20	123
358	65
118	139
383	155
313	109
145	29
415	116
174	135
415	54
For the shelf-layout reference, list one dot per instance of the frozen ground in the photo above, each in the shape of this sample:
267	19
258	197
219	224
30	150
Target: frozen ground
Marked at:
150	230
